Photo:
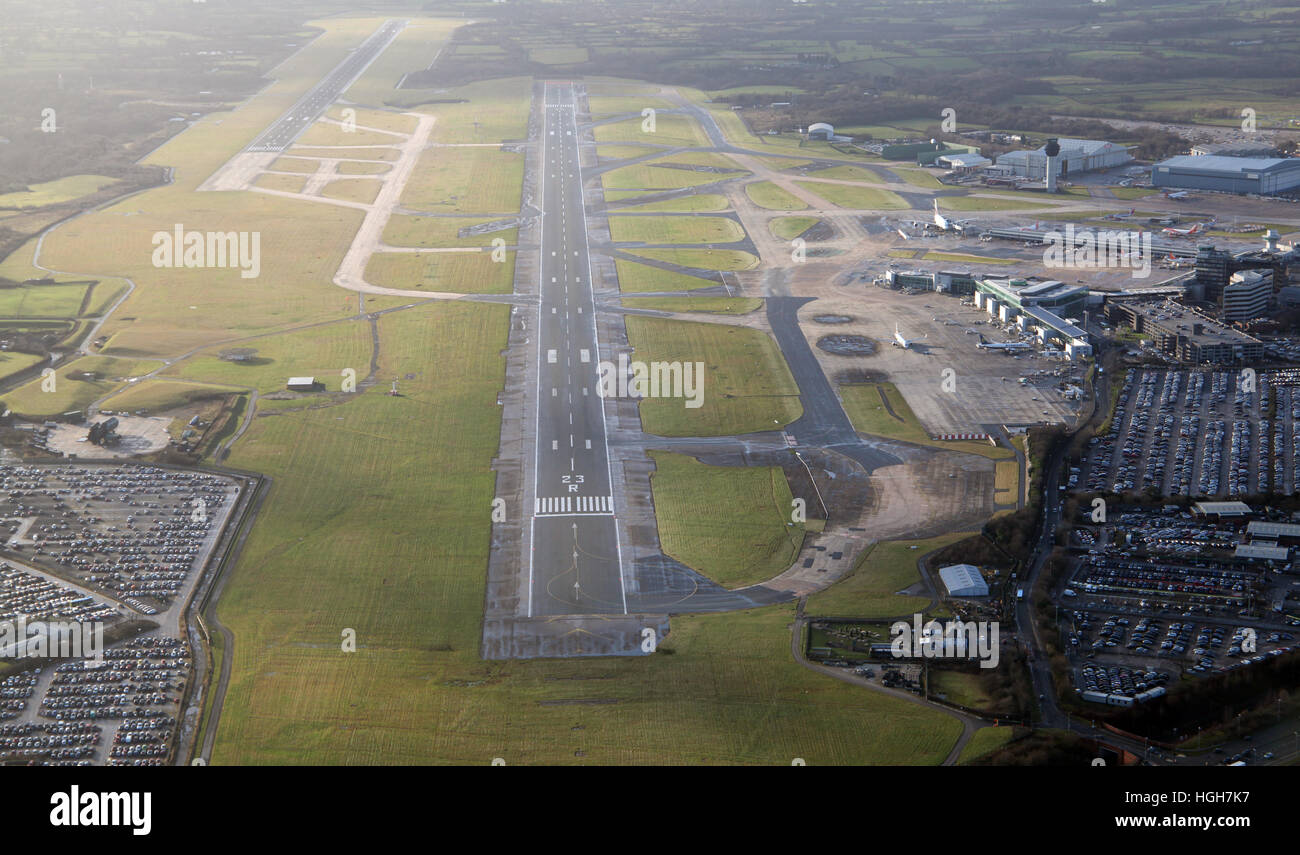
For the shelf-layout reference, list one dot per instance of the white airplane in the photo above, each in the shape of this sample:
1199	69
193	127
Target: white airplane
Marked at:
1181	194
1131	212
947	225
1172	232
1006	346
904	343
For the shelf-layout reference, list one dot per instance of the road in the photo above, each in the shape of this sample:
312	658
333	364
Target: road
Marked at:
575	563
307	109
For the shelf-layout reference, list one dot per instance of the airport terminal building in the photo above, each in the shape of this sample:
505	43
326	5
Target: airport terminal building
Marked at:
1264	176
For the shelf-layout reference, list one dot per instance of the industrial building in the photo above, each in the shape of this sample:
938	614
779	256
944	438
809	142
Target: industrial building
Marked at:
1183	333
1075	156
964	580
1265	176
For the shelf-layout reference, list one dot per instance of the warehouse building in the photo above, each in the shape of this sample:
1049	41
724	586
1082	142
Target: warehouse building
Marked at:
1183	333
963	162
1264	176
1234	149
964	580
821	131
1076	156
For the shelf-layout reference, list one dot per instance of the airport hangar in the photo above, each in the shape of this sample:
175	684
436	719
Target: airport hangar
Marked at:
1263	176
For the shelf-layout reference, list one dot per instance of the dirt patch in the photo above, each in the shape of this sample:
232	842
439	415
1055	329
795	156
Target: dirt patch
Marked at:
833	319
847	345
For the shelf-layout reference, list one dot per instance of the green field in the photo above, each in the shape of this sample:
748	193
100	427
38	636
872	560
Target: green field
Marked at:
746	386
870	591
485	111
336	546
668	130
638	278
380	120
466	180
412	230
701	259
363	190
68	394
457	272
789	228
694	203
765	194
11	363
294	164
322	352
603	106
347	167
648	176
378	154
156	395
711	305
918	178
848	173
853	196
54	192
731	523
42	301
283	183
986	740
324	133
675	229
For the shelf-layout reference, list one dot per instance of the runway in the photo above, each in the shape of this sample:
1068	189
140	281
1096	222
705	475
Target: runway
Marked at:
309	107
575	564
